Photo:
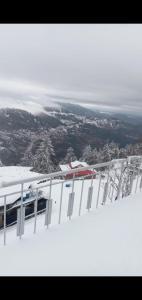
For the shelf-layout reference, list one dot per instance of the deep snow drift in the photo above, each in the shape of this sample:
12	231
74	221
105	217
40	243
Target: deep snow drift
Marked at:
105	241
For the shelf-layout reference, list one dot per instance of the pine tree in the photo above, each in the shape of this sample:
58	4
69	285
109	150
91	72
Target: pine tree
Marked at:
122	153
106	153
95	156
70	156
114	150
1	164
44	161
87	154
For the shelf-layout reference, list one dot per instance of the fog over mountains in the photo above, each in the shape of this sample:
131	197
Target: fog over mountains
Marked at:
23	135
69	90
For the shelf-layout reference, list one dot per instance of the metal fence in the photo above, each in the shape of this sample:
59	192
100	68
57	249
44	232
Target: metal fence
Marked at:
51	196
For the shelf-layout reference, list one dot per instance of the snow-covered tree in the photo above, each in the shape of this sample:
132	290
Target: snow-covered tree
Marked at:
114	150
1	164
122	153
70	156
44	160
87	154
106	153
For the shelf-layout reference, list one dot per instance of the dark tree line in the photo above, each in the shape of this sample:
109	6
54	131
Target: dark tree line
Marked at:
43	159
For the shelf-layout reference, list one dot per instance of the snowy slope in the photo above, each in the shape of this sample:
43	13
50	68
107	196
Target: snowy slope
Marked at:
11	173
106	241
15	172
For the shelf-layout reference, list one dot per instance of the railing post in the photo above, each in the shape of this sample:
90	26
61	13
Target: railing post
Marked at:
120	182
106	186
81	196
113	186
131	182
21	210
100	178
4	220
35	210
137	180
61	197
71	200
140	186
47	204
90	193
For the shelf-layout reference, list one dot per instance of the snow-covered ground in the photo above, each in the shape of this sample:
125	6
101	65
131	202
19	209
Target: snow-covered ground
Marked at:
107	241
104	241
11	173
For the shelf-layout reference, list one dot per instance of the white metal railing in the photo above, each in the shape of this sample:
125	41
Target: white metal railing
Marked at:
114	180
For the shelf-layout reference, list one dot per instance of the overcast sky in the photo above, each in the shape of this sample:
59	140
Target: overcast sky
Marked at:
96	64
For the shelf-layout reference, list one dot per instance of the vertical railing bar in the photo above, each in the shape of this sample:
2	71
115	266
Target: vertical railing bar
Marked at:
50	188
72	189
137	180
92	178
50	192
120	181
100	178
4	220
140	185
21	210
109	191
81	196
61	197
91	186
106	186
35	210
112	191
132	180
113	186
73	183
108	180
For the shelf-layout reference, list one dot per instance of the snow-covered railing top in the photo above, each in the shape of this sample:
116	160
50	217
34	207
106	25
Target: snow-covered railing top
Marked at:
57	174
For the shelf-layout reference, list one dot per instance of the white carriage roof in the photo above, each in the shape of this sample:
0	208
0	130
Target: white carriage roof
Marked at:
74	164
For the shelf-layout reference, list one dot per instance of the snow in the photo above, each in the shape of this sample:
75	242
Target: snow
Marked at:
11	173
104	241
77	163
74	164
65	167
15	172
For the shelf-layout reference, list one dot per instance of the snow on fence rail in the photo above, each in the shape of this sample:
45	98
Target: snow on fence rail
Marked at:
54	199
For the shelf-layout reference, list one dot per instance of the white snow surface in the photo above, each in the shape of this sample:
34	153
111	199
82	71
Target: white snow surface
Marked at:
105	241
74	164
10	173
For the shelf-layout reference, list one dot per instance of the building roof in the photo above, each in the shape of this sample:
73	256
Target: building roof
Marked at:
72	165
77	164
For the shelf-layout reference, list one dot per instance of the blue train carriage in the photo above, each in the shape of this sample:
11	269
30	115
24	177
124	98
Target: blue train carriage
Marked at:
28	201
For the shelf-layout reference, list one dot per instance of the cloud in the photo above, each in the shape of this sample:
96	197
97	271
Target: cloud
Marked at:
92	64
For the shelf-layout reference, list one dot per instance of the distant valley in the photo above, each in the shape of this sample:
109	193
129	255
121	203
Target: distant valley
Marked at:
22	134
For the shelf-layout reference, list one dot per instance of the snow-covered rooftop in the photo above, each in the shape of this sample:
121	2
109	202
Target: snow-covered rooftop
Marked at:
73	164
106	241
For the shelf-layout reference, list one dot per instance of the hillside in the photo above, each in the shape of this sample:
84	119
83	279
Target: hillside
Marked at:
67	125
